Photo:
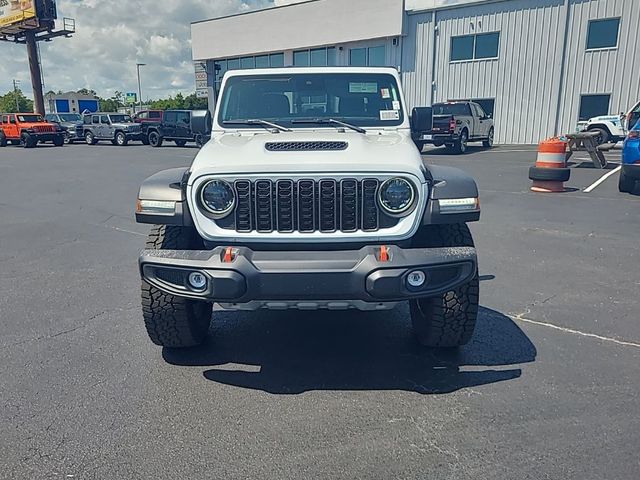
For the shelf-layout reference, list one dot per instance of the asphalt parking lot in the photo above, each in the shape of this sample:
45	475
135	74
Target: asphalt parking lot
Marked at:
548	388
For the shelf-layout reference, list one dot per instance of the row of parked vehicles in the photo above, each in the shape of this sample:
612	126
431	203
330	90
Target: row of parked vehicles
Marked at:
151	127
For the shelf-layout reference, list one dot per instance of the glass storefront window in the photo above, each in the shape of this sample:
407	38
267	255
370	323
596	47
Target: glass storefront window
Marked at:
276	60
301	58
247	62
262	61
377	56
319	57
332	58
358	57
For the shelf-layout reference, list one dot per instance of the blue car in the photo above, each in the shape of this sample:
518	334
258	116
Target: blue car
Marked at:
630	172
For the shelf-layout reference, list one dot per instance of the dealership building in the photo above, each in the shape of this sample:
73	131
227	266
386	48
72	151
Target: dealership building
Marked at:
538	66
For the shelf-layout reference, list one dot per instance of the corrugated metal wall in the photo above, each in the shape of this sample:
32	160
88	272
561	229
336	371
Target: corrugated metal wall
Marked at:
417	55
525	78
608	71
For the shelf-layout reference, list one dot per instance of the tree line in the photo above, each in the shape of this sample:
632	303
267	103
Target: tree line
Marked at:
15	101
179	102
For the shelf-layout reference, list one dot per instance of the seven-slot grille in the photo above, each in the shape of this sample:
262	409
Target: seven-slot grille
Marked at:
307	206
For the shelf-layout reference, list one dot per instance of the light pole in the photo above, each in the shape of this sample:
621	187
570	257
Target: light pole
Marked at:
138	65
15	94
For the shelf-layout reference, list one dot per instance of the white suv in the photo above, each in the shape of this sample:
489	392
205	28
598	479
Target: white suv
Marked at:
310	195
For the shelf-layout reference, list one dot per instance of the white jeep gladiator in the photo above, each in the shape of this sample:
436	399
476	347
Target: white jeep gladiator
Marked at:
310	195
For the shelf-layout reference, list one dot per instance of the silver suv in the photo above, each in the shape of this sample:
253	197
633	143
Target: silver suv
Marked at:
116	127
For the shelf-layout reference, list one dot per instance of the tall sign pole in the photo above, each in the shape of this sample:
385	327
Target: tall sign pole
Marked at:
15	91
36	73
29	22
138	65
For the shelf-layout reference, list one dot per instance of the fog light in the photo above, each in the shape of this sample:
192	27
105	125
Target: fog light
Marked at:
197	281
416	279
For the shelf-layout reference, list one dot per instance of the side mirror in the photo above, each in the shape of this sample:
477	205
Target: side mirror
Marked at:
421	119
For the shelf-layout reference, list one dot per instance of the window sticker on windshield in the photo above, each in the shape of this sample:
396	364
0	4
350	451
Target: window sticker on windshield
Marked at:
389	115
385	93
396	105
363	87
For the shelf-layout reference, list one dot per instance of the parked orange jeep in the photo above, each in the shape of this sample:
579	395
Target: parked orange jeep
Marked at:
28	129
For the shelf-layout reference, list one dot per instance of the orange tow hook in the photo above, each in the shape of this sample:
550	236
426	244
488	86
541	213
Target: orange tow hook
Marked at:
384	254
229	255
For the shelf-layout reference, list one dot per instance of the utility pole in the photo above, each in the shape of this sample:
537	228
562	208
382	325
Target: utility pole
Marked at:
15	92
138	65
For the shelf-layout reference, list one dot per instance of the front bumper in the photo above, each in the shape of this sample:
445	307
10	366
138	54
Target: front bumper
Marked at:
46	137
271	276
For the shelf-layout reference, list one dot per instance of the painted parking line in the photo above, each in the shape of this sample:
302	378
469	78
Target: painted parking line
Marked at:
601	180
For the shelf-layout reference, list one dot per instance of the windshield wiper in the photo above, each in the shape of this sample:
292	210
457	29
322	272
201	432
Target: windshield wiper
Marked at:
331	121
257	121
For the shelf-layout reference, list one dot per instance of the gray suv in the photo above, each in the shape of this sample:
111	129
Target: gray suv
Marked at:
116	127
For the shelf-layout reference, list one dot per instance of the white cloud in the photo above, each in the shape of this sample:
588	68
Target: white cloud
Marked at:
111	37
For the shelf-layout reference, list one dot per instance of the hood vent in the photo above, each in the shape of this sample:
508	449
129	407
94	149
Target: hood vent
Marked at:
305	146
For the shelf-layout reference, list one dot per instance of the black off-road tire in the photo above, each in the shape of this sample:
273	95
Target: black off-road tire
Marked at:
145	139
3	140
448	320
90	138
27	141
59	141
626	184
120	139
488	143
172	321
603	135
461	145
155	139
181	143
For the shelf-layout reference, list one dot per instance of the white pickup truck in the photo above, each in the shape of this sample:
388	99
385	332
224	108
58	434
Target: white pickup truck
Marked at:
612	128
310	195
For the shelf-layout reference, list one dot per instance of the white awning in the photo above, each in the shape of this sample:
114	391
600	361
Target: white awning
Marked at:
302	25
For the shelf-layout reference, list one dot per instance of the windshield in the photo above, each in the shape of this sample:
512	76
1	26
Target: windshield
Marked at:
30	118
70	117
120	118
362	99
451	109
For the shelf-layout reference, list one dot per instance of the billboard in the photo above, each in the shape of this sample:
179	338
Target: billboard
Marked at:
131	98
16	11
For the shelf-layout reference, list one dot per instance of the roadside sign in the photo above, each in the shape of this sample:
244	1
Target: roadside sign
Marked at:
131	98
202	82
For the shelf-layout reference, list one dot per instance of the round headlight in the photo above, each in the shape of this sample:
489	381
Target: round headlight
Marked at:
218	197
397	196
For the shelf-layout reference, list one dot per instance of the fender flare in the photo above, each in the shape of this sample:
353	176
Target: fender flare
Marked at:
166	186
450	183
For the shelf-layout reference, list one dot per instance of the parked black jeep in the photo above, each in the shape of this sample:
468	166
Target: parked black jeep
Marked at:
179	126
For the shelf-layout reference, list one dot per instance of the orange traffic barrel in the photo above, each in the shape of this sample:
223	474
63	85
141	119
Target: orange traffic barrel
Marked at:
551	170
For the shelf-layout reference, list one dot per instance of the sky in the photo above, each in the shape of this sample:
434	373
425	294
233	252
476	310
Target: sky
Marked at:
112	36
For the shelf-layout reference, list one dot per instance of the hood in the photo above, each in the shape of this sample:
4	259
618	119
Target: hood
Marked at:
246	153
71	124
606	118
